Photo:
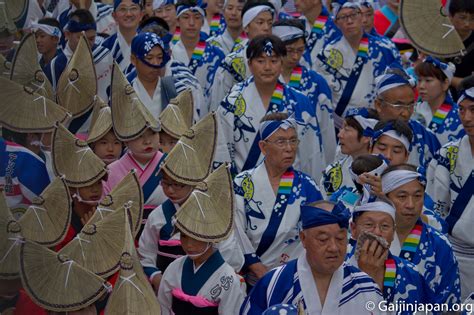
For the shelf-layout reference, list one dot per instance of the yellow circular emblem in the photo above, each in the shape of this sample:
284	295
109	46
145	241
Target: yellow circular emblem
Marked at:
247	186
239	66
240	106
335	59
452	155
335	176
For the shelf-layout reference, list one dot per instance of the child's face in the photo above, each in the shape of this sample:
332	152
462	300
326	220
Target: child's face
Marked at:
175	191
463	22
92	192
145	146
167	142
193	247
108	148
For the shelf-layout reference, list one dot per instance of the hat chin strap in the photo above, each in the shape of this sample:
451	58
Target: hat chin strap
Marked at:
201	253
77	195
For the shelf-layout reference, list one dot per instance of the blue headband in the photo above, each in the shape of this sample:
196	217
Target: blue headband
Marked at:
467	95
393	77
199	7
313	216
118	2
447	68
143	43
269	127
76	27
361	115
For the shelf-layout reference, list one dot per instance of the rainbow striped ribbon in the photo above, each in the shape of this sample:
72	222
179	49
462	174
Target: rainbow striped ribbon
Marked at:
441	113
215	24
241	37
176	36
277	96
413	239
390	273
286	182
318	26
363	47
199	50
295	77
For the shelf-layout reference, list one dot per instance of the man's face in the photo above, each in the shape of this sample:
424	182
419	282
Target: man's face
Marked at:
392	149
128	14
466	113
145	72
349	140
167	13
294	51
45	43
190	24
463	22
266	69
232	14
367	18
408	200
302	6
349	21
280	149
378	223
260	25
396	103
73	38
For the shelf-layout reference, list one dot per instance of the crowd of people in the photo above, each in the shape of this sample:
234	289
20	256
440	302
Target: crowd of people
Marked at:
234	157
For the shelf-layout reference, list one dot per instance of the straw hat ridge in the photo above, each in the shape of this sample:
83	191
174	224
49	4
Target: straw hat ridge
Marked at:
127	192
172	121
190	161
130	117
77	86
98	247
207	215
74	159
56	282
10	240
48	217
429	29
132	293
185	102
26	69
23	110
5	67
6	17
17	9
101	121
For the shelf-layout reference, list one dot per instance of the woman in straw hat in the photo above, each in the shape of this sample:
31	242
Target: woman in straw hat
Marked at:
202	282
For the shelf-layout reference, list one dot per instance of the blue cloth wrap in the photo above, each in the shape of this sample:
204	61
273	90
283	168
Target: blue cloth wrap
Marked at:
314	216
143	43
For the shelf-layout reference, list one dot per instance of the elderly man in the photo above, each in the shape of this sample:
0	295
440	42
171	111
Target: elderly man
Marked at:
318	281
269	198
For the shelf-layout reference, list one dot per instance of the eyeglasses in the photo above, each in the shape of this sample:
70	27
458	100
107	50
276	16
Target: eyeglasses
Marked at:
346	17
125	10
370	226
281	143
400	106
175	186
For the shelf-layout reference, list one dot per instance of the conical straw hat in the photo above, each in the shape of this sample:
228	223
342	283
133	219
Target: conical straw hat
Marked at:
26	69
10	240
207	215
101	121
18	10
98	246
23	110
77	86
56	282
190	161
6	20
172	121
47	220
185	102
132	293
429	28
127	192
5	67
130	117
74	159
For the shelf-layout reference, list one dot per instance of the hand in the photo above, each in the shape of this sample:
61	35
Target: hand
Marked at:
87	216
155	282
375	183
372	260
258	269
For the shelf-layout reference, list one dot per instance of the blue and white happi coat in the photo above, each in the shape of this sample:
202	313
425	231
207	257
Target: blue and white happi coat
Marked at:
270	222
436	263
315	87
120	50
450	185
336	176
101	12
425	144
389	43
293	283
239	118
203	68
447	129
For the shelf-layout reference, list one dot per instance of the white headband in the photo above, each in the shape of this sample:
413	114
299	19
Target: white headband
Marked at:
376	206
366	123
252	13
48	29
393	134
195	8
366	187
397	178
286	32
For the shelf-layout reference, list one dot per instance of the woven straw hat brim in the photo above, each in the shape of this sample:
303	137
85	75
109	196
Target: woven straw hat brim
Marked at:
25	111
132	293
5	67
75	160
26	69
127	192
101	121
77	86
185	102
207	214
98	247
190	161
18	10
9	242
55	282
429	29
47	219
6	20
172	121
130	118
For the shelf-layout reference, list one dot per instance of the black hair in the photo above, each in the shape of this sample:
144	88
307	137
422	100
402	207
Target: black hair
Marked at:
191	3
50	21
257	46
400	126
363	164
295	23
154	25
82	16
352	122
254	3
457	6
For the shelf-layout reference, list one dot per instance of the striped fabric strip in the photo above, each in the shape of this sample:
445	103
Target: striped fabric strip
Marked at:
277	97
441	113
295	77
286	182
363	47
411	242
390	273
318	26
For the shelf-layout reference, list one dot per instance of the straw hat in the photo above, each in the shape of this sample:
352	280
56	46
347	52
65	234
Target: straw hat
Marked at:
207	215
5	67
172	121
185	102
190	161
18	10
74	159
127	192
10	239
23	110
56	282
101	121
99	245
130	117
26	69
77	86
6	20
48	217
132	293
429	28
